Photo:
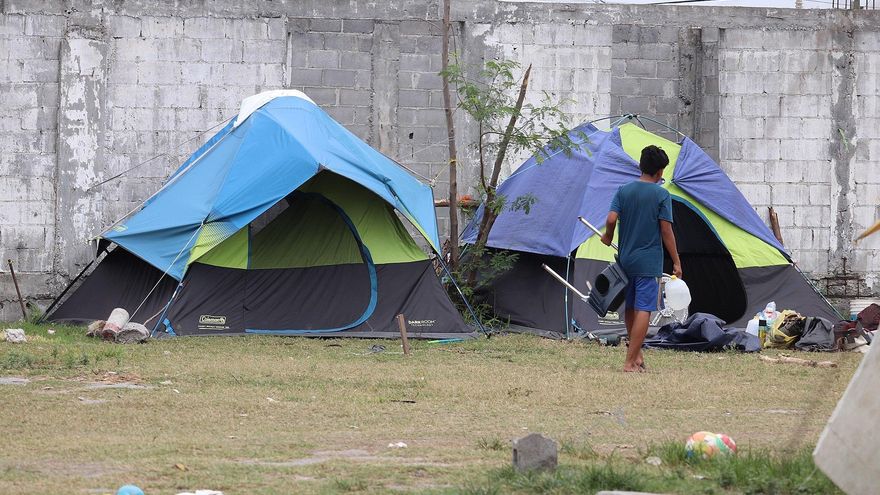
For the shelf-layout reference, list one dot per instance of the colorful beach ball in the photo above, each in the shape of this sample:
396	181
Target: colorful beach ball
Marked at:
705	445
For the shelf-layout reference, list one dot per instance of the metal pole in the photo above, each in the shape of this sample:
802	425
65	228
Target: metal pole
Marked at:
564	282
595	230
15	282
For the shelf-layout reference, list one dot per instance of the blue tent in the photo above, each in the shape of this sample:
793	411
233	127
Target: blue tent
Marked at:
283	222
732	262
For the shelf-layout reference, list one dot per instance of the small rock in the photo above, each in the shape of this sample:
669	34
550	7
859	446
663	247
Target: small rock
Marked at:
50	331
654	461
15	335
132	333
398	445
271	399
175	390
534	451
167	353
166	382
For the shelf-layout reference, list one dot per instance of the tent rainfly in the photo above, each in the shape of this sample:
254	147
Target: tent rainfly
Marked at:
732	262
282	223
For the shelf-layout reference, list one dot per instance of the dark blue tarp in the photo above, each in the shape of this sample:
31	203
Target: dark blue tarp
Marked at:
583	182
565	186
702	332
703	179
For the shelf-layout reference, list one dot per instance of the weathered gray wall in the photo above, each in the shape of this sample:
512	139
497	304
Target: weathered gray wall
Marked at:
787	101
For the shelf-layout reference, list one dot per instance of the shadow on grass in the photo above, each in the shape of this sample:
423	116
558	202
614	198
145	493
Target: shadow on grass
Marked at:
750	472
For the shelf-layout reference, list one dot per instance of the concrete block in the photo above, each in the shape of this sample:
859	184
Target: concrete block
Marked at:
241	74
136	49
222	50
133	95
197	72
760	149
272	76
866	83
867	41
710	35
624	33
11	25
41	71
668	71
276	28
656	51
323	96
364	26
306	77
45	25
742	38
355	97
805	149
206	27
159	72
644	68
625	51
343	115
588	35
649	34
255	29
751	128
784	172
745	172
325	25
161	27
355	60
321	59
263	51
339	78
178	49
641	104
178	96
790	194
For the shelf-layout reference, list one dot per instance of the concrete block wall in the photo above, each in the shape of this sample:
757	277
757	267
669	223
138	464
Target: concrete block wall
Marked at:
787	102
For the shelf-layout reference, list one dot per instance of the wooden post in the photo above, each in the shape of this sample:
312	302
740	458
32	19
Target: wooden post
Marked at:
401	324
15	282
774	225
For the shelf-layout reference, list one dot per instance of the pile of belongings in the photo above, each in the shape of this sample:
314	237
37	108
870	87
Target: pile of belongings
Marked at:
702	332
787	329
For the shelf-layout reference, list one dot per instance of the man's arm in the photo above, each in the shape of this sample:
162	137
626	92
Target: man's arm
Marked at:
610	225
671	248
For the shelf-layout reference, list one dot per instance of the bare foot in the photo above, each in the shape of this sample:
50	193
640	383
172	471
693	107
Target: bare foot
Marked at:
633	368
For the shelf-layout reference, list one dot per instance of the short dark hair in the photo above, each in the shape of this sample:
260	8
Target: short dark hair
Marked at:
653	159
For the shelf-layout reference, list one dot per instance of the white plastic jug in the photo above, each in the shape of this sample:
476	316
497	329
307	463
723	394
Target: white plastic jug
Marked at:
678	296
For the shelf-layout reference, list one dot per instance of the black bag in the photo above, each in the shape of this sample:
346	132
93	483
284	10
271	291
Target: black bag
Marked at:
818	335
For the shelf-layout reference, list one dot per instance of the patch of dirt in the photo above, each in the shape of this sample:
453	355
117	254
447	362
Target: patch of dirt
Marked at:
348	455
59	468
13	380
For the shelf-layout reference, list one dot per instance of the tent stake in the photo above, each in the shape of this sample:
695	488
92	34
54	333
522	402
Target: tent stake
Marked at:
15	282
401	324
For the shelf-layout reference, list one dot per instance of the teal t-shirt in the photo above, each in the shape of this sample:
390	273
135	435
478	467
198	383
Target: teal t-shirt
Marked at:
640	207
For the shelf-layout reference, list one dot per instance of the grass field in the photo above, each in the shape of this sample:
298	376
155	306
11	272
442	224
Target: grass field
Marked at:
290	415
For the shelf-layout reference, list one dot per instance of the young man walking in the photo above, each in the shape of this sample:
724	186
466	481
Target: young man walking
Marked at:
645	213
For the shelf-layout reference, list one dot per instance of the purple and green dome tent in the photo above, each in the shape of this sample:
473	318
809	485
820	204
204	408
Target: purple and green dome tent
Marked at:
283	223
732	262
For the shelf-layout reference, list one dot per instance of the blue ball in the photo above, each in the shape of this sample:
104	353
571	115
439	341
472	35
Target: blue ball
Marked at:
129	490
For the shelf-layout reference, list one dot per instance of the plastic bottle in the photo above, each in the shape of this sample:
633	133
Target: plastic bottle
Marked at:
762	331
678	296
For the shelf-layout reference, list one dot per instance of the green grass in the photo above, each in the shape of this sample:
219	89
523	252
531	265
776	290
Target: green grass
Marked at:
750	472
265	415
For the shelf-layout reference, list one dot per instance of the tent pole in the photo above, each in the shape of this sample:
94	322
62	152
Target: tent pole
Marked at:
816	290
60	296
567	318
165	310
460	293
